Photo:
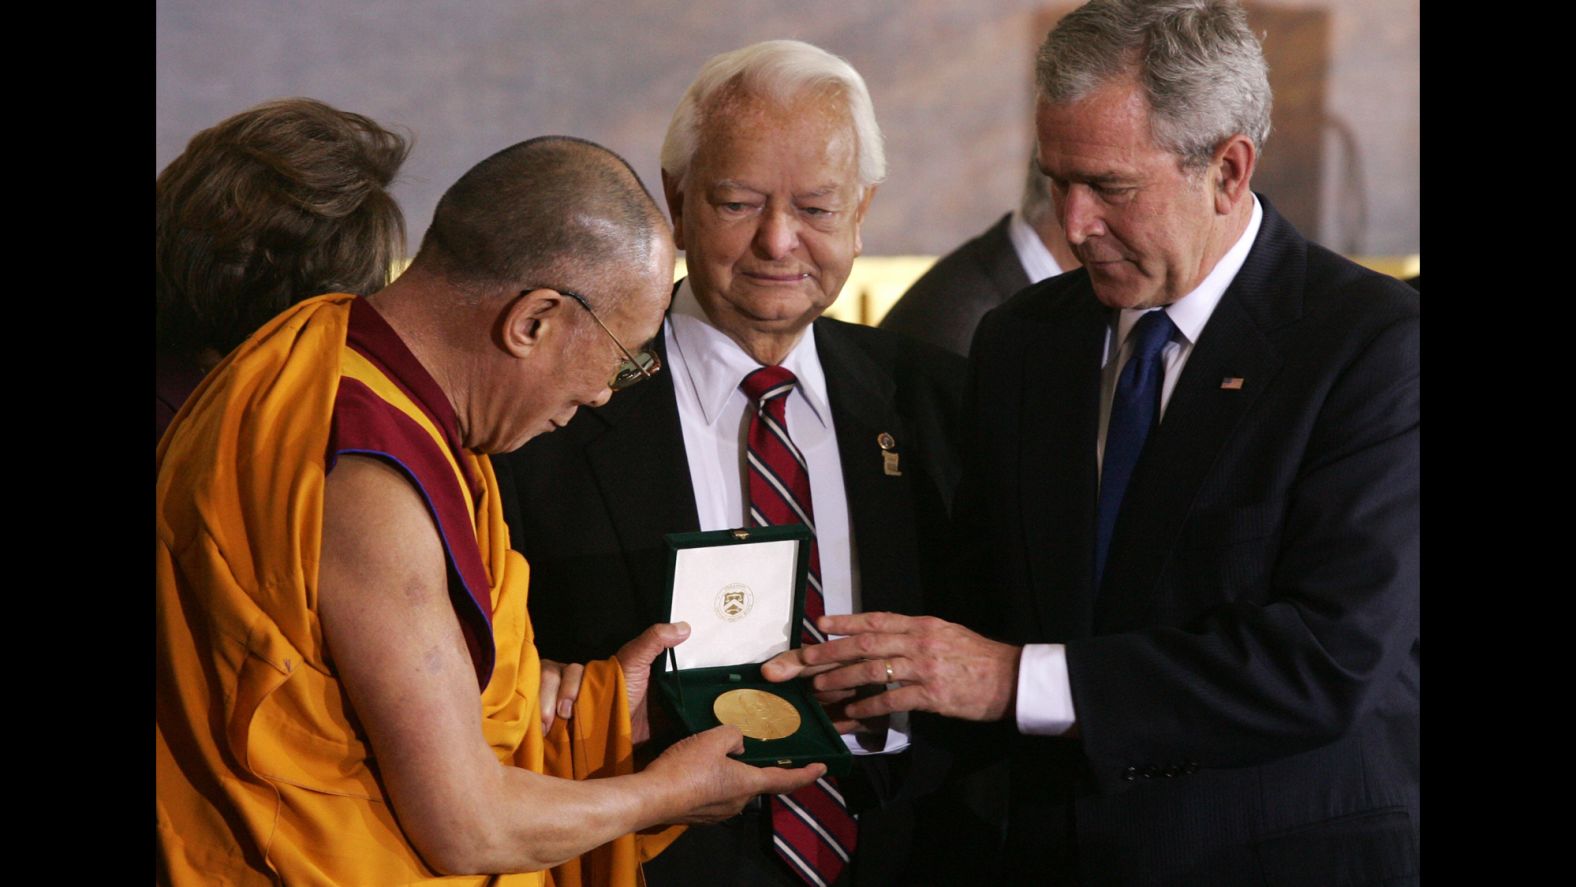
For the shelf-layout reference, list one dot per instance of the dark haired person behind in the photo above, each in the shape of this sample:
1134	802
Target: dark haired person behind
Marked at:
273	205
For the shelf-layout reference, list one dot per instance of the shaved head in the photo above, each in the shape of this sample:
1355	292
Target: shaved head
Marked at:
542	213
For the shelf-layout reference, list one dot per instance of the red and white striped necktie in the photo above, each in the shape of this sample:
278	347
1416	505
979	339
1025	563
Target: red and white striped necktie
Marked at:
812	830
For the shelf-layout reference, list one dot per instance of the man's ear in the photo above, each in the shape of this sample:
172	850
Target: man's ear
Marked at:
1233	166
528	320
859	217
675	197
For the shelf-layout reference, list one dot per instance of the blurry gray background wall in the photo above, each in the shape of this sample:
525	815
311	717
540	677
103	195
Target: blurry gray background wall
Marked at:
952	84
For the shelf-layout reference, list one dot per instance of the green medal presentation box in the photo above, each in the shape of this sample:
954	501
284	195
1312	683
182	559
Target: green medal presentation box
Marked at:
742	593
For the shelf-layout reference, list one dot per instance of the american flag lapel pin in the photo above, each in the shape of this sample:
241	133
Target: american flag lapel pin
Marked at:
1231	383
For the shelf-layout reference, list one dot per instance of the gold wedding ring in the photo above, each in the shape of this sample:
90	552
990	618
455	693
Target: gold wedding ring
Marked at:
890	677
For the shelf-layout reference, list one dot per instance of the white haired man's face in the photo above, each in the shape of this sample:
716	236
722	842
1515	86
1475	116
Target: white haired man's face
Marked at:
770	211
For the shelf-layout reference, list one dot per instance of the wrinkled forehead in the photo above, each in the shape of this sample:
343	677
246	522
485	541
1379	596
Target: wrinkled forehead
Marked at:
813	125
1117	103
1112	121
740	97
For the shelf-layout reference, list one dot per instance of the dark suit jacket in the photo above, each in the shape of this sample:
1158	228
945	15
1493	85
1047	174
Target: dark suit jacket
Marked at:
596	498
946	303
1246	679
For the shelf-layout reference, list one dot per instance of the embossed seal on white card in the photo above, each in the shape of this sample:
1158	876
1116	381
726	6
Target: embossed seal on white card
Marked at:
734	602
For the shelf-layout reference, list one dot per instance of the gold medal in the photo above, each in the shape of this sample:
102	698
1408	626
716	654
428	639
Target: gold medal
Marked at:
757	713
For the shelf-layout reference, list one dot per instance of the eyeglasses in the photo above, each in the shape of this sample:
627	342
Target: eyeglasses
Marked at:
643	364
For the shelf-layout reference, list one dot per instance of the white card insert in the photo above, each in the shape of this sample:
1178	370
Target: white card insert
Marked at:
737	599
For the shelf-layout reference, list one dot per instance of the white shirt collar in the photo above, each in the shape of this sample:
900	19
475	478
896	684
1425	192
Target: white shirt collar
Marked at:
716	364
1035	257
1191	312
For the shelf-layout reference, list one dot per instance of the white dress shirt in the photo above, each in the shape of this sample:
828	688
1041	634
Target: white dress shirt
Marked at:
1032	252
707	368
1045	699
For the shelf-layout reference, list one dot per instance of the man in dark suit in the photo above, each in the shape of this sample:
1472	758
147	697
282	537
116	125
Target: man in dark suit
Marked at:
769	166
1192	495
1025	246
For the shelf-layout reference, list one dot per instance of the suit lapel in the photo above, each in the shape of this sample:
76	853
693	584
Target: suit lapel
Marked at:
1003	266
1061	410
880	506
642	474
1200	419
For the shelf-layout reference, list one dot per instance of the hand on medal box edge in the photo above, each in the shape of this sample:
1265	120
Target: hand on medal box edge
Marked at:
783	726
721	785
923	664
560	685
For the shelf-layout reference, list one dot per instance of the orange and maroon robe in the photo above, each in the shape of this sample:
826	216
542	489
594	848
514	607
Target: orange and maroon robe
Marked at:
263	774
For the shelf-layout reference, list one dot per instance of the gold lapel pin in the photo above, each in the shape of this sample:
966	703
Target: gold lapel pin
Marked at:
889	463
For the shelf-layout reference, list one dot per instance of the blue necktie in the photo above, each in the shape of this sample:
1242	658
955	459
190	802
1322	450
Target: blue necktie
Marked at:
1134	411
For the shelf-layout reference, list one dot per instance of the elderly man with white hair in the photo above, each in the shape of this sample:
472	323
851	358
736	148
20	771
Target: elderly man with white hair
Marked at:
769	167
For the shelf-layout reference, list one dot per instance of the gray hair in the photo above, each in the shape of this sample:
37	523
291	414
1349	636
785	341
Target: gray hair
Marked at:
779	70
1201	68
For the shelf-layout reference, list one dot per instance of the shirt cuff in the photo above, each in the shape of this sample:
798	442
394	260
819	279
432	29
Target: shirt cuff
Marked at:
1045	696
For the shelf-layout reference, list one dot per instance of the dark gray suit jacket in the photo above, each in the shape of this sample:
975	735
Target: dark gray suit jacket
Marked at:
946	303
595	499
1246	677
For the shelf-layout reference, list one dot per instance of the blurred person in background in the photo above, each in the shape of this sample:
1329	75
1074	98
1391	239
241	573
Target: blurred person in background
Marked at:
285	201
1024	246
